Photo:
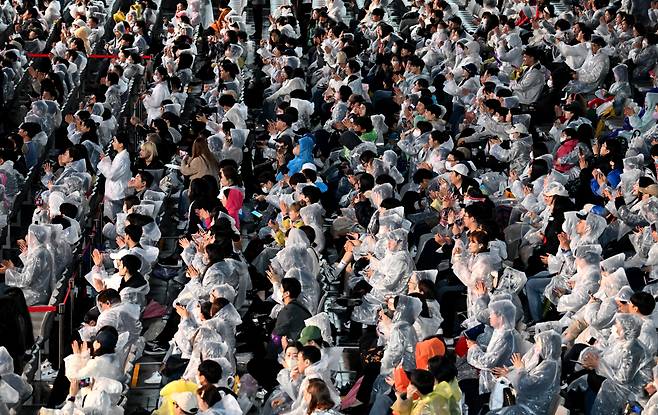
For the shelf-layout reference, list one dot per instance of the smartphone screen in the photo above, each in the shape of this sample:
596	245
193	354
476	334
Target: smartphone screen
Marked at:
257	214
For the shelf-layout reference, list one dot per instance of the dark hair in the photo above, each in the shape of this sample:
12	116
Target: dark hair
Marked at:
312	193
311	353
134	232
129	201
211	370
644	302
69	210
132	263
209	394
147	178
442	368
292	286
109	295
422	380
216	253
107	336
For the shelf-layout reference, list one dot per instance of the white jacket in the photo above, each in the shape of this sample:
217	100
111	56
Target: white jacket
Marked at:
117	173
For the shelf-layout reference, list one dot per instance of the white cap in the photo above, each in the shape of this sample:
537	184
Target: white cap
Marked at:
186	401
460	169
119	254
310	166
517	128
557	189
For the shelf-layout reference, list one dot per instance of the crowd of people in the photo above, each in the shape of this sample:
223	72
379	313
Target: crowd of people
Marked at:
407	207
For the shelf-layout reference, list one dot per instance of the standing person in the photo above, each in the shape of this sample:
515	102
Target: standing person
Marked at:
152	100
117	173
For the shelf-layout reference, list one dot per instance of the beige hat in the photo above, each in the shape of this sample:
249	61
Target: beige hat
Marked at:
186	401
652	190
341	57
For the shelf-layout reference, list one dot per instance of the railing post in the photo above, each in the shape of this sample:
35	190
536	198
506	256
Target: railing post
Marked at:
61	308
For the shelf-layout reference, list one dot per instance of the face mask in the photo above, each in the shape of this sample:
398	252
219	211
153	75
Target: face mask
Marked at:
291	363
416	133
265	190
550	83
394	49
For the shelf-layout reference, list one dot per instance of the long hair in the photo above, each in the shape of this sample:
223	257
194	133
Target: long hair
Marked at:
320	396
200	149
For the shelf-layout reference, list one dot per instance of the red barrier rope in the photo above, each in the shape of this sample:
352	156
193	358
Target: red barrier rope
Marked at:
47	308
92	56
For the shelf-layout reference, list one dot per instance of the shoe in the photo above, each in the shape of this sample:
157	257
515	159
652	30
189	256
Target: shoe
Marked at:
156	350
154	379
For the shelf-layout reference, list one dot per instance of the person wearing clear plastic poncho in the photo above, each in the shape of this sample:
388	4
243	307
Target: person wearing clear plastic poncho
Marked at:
651	406
387	277
535	377
570	293
505	341
121	315
311	215
100	365
474	263
422	283
311	366
36	276
579	228
234	143
599	313
505	287
13	388
296	254
288	388
60	249
311	290
399	335
619	363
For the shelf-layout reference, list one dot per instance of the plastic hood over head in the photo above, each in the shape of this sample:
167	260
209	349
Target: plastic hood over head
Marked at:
550	344
613	263
381	192
408	309
512	281
298	238
506	311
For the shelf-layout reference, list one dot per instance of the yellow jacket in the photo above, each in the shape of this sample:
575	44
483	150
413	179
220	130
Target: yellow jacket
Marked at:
280	234
443	400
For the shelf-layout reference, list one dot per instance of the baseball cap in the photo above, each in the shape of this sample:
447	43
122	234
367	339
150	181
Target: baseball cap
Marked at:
310	166
557	189
310	333
517	128
459	169
186	401
285	139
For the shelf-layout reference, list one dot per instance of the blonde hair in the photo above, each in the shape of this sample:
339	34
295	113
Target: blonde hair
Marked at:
151	150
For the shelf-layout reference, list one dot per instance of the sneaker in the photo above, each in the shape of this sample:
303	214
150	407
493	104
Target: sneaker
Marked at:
154	379
156	350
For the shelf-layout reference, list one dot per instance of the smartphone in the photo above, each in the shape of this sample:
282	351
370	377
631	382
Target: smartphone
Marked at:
257	214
